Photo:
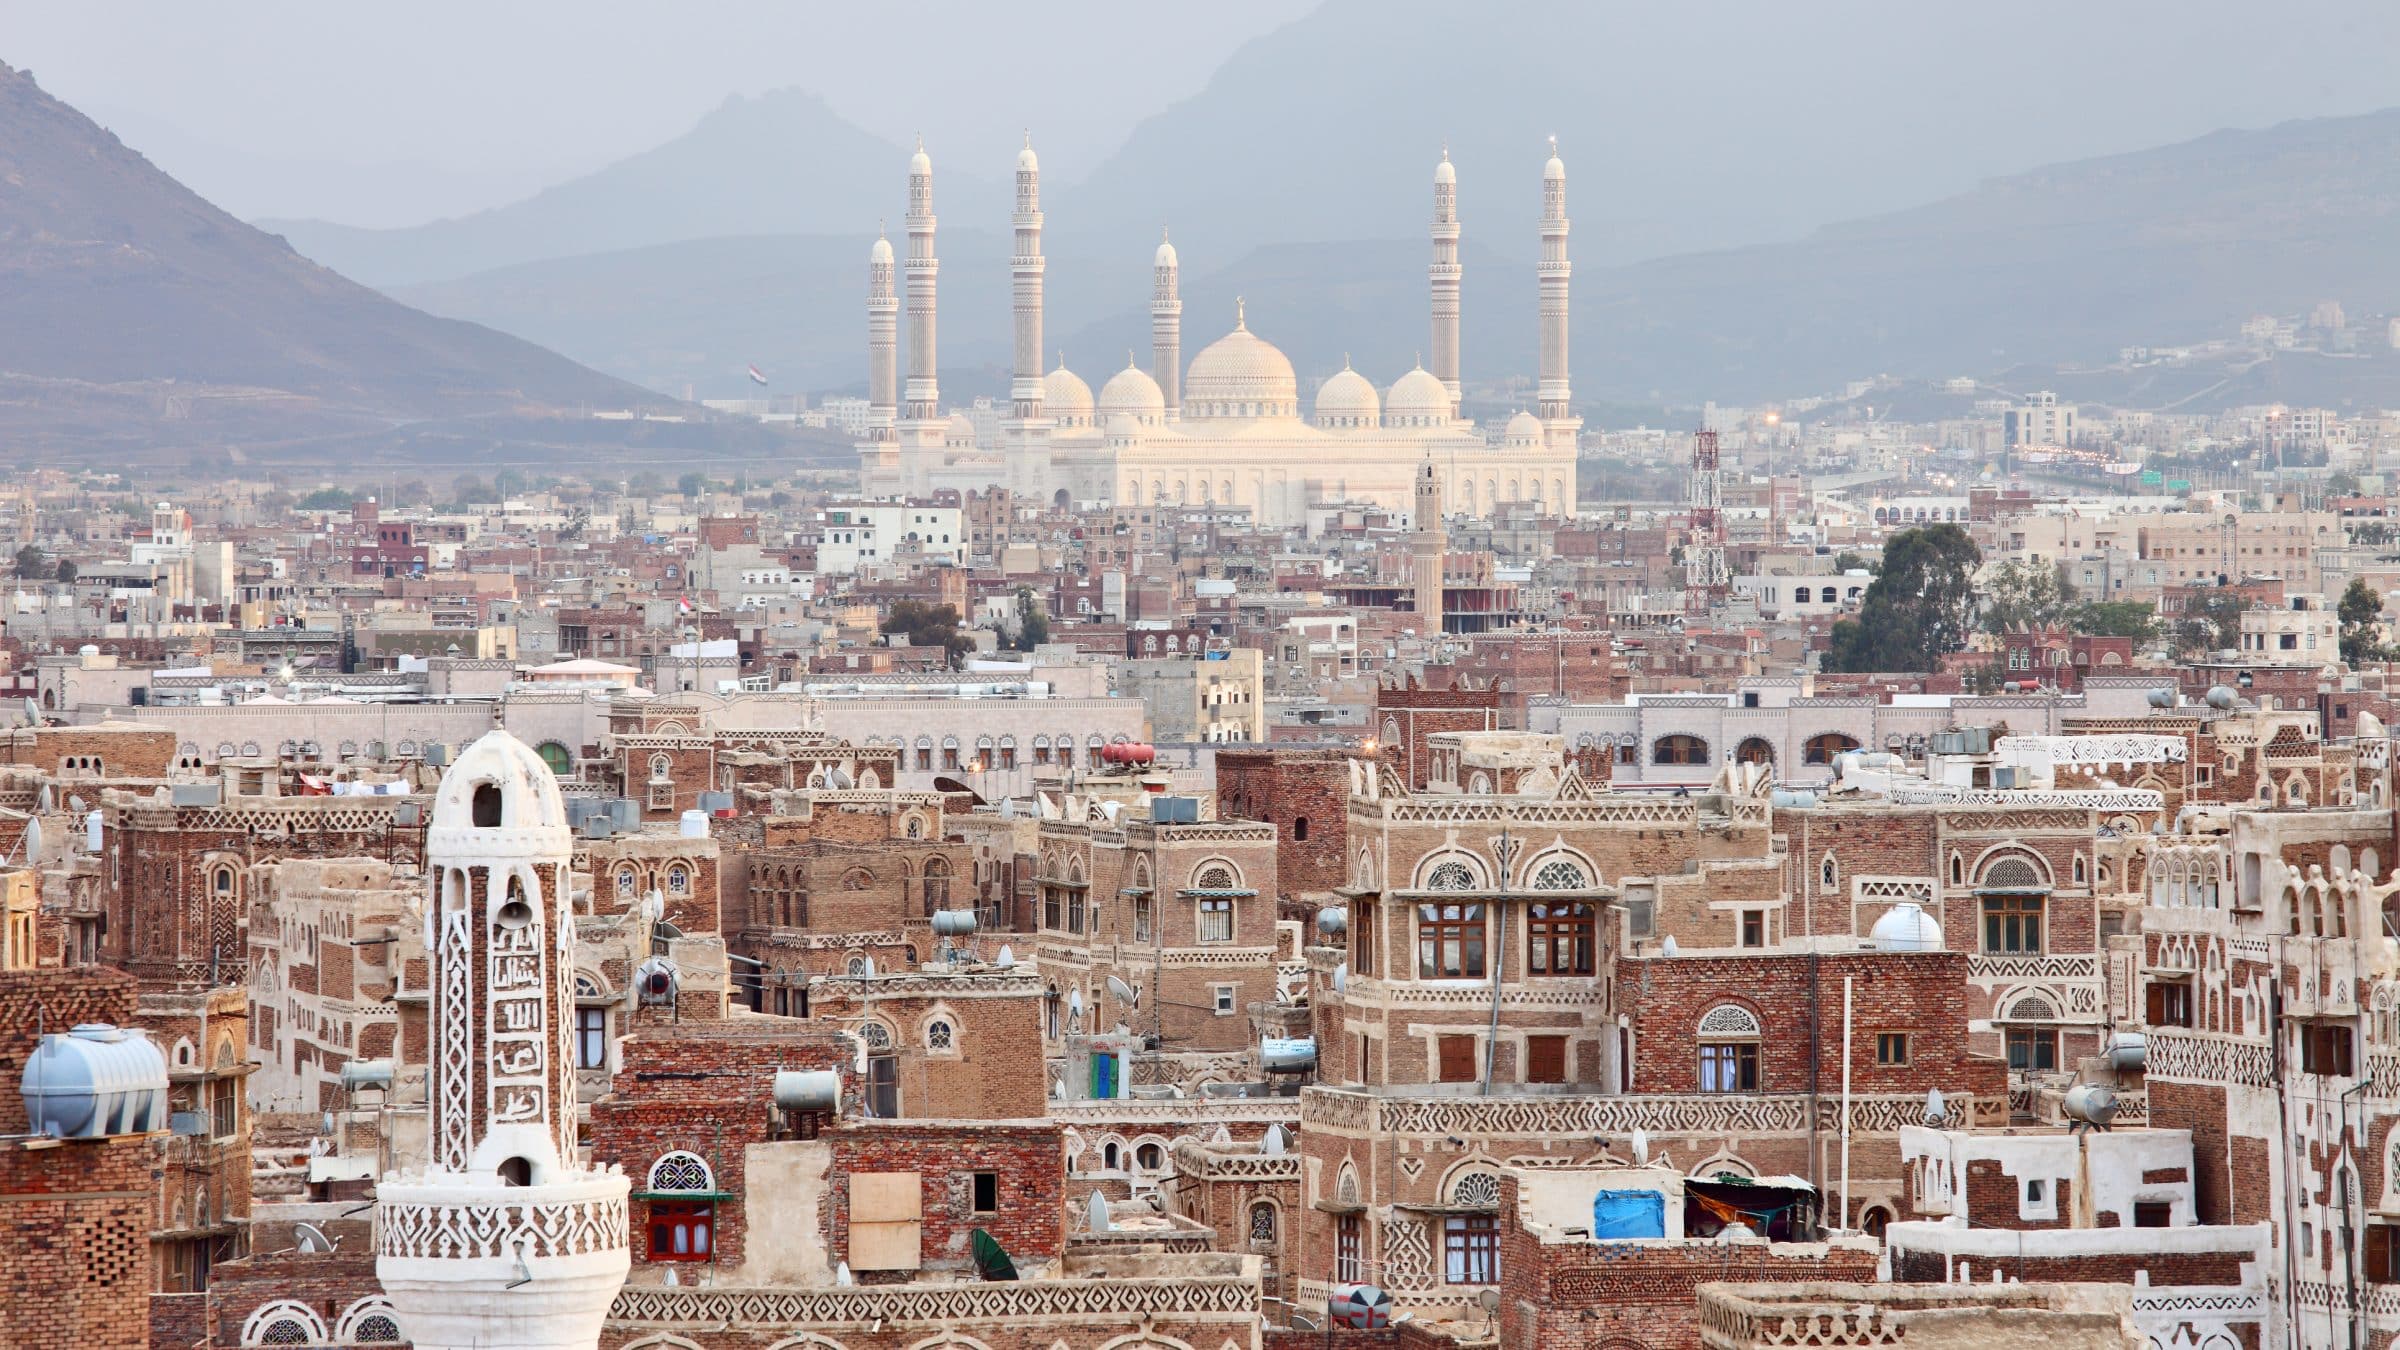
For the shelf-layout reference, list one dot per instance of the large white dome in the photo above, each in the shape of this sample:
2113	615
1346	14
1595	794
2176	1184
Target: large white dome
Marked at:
1417	400
1347	401
1523	429
1906	927
1241	375
1066	399
1132	393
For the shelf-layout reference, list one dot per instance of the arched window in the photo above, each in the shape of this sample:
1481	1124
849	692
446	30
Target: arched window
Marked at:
1262	1222
661	768
1450	874
1829	874
1478	1189
558	757
1679	749
1214	877
940	1036
284	1322
679	879
1561	874
1821	749
1729	1038
1754	750
682	1172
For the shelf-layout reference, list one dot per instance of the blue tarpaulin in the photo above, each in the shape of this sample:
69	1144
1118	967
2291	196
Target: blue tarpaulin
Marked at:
1629	1214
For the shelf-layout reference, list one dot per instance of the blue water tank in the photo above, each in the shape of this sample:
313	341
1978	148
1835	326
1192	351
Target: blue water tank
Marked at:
95	1081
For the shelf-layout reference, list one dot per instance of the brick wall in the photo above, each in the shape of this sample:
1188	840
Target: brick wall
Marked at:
75	1250
2200	1108
1029	1156
32	1001
1305	795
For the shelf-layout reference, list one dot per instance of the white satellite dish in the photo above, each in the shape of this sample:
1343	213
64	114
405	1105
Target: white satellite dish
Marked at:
1126	993
309	1240
1934	1106
1668	947
1271	1143
33	841
75	801
33	713
43	802
1641	1145
866	965
1099	1210
1075	1001
91	833
1008	808
841	1274
1006	958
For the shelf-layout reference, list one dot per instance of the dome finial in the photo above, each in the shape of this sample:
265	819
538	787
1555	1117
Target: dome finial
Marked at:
1345	360
1029	138
920	142
1445	149
1129	358
1239	323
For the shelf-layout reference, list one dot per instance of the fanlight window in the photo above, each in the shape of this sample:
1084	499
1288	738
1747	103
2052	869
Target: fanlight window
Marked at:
375	1329
2011	873
2032	1008
681	1172
876	1035
1480	1189
1560	874
1262	1222
1729	1019
938	1035
1213	877
1450	876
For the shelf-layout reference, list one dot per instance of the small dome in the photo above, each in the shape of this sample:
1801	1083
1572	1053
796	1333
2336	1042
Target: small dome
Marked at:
1347	400
1906	927
1027	162
920	162
1166	252
1132	393
960	430
1523	429
1417	399
1066	398
1443	174
1241	375
882	252
1554	171
527	786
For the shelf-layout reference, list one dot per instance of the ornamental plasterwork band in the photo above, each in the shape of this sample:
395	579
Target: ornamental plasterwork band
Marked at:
459	1232
1707	1113
2095	799
1014	1301
1175	1111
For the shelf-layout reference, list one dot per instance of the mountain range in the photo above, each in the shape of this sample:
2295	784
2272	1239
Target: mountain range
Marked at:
140	314
2061	265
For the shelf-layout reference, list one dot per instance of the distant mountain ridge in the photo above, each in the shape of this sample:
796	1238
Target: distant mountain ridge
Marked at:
2064	263
132	303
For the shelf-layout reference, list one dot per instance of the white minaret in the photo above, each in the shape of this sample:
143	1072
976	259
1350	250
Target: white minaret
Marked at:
505	1239
1166	326
883	352
924	389
1025	387
1444	274
1559	423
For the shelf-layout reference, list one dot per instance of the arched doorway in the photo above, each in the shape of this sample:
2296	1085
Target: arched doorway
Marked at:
1755	750
1821	749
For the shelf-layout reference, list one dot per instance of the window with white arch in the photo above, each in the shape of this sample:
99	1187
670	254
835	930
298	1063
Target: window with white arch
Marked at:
284	1322
1729	1037
1450	874
681	1172
1560	874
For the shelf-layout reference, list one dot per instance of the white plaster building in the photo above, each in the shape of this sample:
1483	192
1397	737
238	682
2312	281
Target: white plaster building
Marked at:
505	1238
1229	428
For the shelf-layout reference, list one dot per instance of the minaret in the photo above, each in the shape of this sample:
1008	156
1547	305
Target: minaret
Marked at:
505	1239
1025	386
883	323
1559	423
1166	327
924	390
1444	274
1427	542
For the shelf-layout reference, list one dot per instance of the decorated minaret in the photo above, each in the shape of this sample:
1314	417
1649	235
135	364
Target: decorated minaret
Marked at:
924	389
1427	542
1166	327
1027	430
1559	422
883	347
1444	274
505	1239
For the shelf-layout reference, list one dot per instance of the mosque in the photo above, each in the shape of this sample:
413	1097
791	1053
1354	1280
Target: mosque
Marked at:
1229	429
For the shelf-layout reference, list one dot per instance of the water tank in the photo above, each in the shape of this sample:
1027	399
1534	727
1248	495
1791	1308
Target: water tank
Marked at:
2127	1050
695	825
2162	698
1333	920
94	1081
2090	1103
2222	698
1359	1307
363	1073
1906	927
1784	799
808	1090
954	922
656	981
1276	1053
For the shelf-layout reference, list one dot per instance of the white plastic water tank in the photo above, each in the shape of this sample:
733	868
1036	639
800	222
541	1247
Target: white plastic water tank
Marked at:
695	825
1906	927
94	1081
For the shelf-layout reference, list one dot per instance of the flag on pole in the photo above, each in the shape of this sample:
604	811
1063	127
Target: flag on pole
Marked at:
684	603
757	376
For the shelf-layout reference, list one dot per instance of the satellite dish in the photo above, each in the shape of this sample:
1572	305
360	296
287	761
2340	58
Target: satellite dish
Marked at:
1934	1109
866	965
842	779
1271	1143
1641	1145
326	1125
841	1274
1058	1092
91	833
33	713
1126	993
1008	808
43	802
1006	958
1668	947
1099	1211
1488	1300
75	801
1341	977
1075	1001
309	1240
33	842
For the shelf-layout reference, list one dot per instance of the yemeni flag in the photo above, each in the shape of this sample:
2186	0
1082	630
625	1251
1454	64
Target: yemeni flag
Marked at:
757	376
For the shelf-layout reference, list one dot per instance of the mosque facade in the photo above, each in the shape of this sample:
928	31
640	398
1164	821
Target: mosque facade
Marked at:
1229	428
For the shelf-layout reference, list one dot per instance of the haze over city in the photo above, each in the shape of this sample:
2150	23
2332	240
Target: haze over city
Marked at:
1710	674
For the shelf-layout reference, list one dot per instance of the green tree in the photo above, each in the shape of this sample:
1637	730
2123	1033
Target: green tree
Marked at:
1917	609
2341	483
508	483
2024	595
2371	532
924	625
2361	612
2210	624
692	484
2115	618
328	499
1033	626
65	571
468	490
1846	561
32	563
645	484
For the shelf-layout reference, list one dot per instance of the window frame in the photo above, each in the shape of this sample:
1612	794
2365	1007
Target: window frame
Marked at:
2012	923
1571	928
1728	1066
1463	932
1471	1249
693	1222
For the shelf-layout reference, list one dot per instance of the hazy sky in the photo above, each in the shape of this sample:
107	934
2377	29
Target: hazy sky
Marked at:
391	113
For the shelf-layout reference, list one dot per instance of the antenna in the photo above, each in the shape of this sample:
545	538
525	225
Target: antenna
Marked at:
310	1240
